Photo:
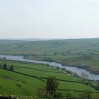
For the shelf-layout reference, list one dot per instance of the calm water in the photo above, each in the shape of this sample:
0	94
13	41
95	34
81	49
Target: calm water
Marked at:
73	69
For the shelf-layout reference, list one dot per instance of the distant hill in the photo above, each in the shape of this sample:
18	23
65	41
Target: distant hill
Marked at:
26	39
73	52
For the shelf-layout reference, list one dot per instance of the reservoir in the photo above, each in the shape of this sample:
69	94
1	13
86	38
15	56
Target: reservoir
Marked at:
91	76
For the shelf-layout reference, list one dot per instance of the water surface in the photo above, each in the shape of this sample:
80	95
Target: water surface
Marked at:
73	69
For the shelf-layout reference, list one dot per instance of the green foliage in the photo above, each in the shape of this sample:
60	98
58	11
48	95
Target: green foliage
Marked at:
51	86
11	68
86	95
69	95
98	84
5	66
34	97
60	95
96	96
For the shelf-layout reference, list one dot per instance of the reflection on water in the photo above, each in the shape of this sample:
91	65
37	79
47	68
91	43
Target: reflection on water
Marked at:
73	69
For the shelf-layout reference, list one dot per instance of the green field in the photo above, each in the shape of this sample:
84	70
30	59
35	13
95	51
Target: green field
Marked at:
27	78
27	85
71	52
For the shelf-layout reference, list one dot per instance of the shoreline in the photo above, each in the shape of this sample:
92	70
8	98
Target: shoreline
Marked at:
85	67
73	69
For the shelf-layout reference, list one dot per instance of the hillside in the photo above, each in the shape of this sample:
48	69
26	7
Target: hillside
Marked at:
27	79
73	52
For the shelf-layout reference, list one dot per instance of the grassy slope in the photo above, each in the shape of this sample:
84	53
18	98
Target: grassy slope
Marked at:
8	85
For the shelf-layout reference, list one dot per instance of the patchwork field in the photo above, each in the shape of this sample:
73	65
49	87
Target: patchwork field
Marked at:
27	78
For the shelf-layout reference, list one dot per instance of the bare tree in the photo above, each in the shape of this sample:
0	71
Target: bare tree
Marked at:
84	76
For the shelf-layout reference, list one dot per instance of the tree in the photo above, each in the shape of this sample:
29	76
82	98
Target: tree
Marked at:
84	76
5	66
98	84
51	86
86	95
11	68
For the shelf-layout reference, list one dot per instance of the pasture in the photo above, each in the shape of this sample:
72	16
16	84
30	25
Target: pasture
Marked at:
27	78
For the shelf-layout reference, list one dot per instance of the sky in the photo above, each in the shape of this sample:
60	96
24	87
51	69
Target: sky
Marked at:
49	19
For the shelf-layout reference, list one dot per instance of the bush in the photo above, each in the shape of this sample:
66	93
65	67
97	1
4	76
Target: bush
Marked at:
69	95
59	95
11	68
86	95
5	66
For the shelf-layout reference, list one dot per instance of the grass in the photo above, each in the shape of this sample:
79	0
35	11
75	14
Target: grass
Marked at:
71	52
10	86
9	81
75	52
74	86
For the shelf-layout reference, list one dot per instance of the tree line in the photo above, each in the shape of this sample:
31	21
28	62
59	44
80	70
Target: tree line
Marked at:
11	68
